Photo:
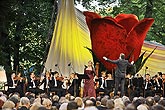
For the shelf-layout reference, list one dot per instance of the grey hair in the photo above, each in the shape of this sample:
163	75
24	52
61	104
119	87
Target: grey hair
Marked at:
24	101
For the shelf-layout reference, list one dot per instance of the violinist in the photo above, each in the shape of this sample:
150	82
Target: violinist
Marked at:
20	84
148	86
109	83
74	85
56	84
47	83
101	81
33	84
163	84
157	83
12	83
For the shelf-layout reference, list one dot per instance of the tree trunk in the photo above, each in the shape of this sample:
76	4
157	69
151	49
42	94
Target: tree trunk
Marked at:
17	40
149	8
51	29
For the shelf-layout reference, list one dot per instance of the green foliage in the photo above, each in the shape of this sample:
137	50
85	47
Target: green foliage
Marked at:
141	8
27	29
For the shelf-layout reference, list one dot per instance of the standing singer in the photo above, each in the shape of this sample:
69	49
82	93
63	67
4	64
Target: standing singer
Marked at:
89	88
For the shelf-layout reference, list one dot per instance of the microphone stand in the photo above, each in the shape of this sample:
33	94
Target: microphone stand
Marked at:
58	69
74	82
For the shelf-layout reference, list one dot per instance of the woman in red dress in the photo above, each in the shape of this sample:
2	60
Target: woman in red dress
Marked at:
89	88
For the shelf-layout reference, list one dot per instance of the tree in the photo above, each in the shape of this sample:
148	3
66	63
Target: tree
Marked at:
141	8
27	31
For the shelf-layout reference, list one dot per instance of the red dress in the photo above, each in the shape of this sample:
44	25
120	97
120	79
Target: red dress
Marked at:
89	88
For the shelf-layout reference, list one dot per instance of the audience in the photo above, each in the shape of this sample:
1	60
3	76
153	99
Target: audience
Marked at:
24	104
54	102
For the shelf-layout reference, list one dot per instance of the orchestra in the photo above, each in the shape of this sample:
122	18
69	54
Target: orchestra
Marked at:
53	83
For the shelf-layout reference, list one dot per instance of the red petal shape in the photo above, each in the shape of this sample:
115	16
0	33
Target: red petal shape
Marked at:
110	36
128	21
136	37
89	17
108	39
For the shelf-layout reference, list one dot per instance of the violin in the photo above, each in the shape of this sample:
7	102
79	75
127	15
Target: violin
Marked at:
20	78
59	78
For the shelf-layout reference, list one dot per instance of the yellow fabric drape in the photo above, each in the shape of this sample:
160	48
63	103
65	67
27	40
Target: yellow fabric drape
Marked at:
70	36
69	39
156	62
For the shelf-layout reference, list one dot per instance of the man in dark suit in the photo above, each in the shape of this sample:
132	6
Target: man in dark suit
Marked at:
56	84
101	80
33	84
148	86
12	83
120	72
46	82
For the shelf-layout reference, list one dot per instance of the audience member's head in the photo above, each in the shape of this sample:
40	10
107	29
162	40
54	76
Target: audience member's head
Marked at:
3	99
24	101
156	98
79	101
47	103
143	107
63	106
150	101
55	98
93	99
157	107
162	102
110	104
88	103
35	106
104	101
130	107
137	102
72	105
119	103
16	99
63	100
98	103
8	105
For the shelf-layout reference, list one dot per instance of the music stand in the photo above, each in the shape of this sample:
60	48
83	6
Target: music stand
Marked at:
110	83
78	81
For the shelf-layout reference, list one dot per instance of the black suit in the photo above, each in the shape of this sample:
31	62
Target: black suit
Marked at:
120	73
101	87
47	85
11	85
33	86
148	88
56	86
158	86
109	86
74	87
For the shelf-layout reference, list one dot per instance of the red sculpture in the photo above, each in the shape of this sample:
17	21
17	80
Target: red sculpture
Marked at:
112	36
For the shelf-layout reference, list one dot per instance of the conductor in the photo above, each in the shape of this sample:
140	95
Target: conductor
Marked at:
120	72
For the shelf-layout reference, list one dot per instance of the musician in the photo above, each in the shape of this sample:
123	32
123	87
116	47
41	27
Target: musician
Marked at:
128	84
138	86
120	72
47	83
148	86
56	84
12	83
157	83
163	84
109	83
33	84
74	85
20	84
101	81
